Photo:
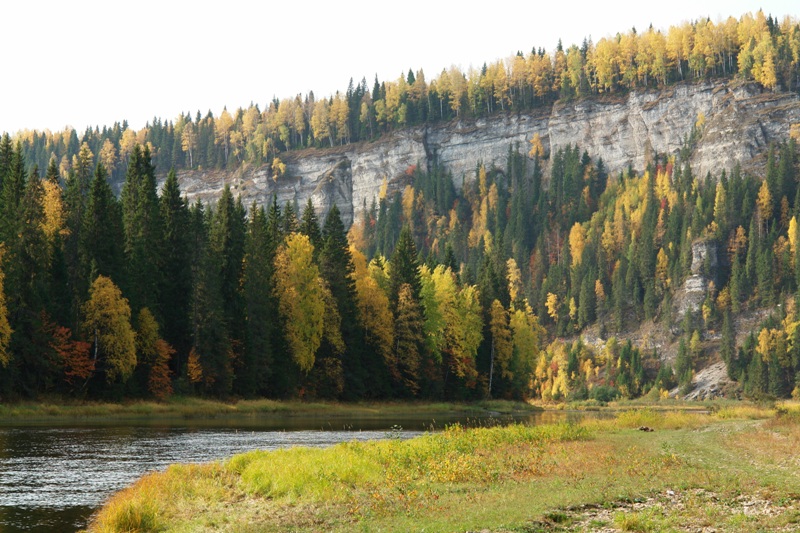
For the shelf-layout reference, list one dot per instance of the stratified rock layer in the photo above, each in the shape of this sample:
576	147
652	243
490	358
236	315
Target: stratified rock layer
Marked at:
738	123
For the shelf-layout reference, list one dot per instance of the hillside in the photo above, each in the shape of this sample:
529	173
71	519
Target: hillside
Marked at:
740	122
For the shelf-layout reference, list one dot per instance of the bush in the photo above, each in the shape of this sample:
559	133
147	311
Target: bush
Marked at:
603	393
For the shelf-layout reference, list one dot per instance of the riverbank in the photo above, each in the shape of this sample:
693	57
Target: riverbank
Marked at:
733	470
197	408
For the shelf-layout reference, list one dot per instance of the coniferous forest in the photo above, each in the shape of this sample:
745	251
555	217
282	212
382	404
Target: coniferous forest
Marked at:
435	292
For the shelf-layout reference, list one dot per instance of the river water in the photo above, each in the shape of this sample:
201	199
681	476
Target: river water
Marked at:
54	478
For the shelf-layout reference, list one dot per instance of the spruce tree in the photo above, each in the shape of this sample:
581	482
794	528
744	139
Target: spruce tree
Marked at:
226	245
728	347
52	173
175	265
260	307
142	229
101	238
405	268
210	341
337	269
309	226
684	366
26	289
6	155
11	194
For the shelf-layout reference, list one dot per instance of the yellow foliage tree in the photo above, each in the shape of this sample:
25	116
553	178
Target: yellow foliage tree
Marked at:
53	206
461	317
107	319
537	149
194	370
300	298
764	204
223	127
577	243
514	278
662	271
108	155
278	169
552	306
526	334
374	311
189	141
502	347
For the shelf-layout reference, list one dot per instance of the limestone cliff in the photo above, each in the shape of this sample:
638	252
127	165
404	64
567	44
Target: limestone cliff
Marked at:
740	122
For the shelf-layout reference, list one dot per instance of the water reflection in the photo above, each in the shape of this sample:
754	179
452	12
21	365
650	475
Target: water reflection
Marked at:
52	478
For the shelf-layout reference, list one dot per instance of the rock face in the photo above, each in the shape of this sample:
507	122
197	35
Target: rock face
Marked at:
740	120
690	297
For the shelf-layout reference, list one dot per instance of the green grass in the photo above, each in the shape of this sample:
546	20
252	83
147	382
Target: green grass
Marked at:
546	478
188	407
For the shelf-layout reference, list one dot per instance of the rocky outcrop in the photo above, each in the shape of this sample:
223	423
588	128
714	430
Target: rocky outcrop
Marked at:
690	297
740	120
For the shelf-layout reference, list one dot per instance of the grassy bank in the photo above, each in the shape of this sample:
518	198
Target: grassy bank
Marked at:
54	411
733	470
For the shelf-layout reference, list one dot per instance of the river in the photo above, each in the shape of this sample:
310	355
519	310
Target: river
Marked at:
54	478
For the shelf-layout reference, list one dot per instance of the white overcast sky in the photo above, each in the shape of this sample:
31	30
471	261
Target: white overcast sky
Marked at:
93	62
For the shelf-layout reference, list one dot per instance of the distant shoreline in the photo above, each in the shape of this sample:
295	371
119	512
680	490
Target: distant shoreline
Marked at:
47	411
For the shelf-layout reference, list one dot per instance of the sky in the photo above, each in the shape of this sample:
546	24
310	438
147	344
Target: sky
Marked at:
84	63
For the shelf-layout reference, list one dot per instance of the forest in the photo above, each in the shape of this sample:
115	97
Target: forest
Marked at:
435	291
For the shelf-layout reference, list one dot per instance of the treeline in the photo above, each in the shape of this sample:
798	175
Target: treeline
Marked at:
144	295
754	47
